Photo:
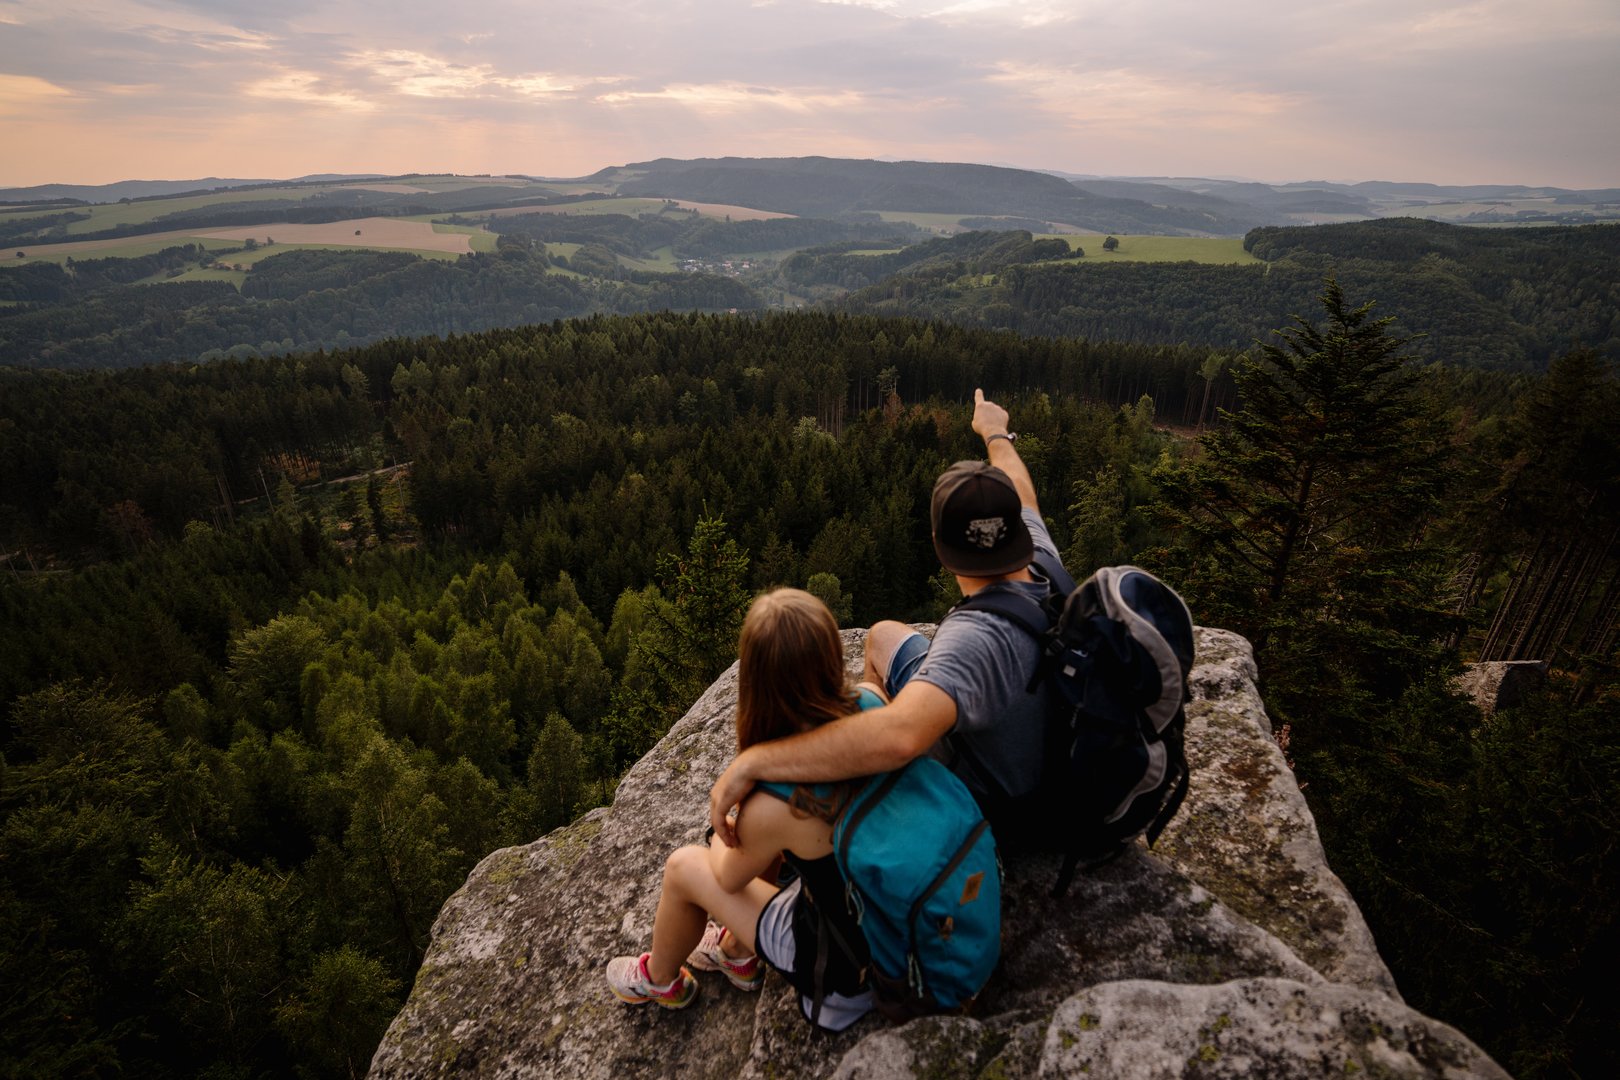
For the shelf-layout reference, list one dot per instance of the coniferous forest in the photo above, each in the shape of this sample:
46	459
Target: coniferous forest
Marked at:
292	642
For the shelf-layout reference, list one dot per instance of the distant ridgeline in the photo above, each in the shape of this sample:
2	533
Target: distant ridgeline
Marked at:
1505	299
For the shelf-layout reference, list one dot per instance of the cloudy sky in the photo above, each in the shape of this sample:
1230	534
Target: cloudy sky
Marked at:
1491	91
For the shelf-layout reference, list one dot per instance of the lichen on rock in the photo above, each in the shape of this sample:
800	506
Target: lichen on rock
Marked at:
1236	915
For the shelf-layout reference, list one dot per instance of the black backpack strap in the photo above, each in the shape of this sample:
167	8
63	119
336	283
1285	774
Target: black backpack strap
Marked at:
823	924
827	933
1073	861
1171	805
1024	612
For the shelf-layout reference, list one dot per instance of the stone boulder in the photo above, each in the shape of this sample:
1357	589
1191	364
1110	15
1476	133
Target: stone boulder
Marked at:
1230	950
1501	684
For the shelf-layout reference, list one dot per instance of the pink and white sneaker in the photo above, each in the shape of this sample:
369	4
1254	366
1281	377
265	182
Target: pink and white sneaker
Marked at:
745	974
627	977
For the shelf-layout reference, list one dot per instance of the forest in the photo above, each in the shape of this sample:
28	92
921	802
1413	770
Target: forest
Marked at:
1508	299
293	641
1503	299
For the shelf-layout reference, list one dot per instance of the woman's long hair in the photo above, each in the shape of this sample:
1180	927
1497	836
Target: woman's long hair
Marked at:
790	678
790	671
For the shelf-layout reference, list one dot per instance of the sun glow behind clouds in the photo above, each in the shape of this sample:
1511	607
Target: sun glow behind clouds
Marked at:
416	74
21	93
1448	90
1140	99
729	97
307	88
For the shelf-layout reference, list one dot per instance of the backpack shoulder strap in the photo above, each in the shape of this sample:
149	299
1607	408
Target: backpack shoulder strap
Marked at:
1022	611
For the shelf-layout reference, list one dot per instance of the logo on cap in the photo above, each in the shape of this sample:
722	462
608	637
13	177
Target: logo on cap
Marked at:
986	532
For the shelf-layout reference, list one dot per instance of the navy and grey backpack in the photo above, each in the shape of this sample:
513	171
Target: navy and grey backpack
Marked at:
923	881
1115	653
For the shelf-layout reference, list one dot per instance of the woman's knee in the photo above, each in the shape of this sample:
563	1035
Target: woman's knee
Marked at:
682	866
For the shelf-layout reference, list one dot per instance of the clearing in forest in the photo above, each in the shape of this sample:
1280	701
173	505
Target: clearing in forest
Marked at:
379	233
1216	251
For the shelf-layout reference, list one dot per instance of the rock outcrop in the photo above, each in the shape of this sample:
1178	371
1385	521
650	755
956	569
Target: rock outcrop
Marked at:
1502	684
1230	950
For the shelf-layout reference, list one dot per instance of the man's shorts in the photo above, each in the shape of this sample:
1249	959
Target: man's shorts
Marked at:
904	663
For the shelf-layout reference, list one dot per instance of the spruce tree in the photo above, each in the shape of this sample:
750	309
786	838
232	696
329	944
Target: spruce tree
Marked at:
1305	511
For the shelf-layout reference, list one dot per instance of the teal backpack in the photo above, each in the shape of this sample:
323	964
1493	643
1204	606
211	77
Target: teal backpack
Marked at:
923	882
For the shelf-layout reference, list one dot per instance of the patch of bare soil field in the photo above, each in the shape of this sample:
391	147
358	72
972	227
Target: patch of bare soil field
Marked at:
374	232
390	189
714	210
736	213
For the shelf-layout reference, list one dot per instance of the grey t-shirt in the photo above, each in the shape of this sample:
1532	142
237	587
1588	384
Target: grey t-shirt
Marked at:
985	663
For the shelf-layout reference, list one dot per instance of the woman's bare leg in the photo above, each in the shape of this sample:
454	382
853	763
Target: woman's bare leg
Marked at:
691	895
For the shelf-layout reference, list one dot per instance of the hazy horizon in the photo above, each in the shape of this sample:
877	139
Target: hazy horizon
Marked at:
1445	93
1139	177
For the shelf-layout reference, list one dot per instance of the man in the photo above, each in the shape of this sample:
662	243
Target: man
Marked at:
967	693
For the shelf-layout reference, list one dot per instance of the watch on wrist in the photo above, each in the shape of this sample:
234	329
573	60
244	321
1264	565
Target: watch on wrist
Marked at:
1010	436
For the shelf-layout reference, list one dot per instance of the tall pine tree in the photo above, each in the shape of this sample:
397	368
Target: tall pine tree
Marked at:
1305	511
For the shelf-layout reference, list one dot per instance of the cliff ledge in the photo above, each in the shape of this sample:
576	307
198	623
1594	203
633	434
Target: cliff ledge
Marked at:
1231	950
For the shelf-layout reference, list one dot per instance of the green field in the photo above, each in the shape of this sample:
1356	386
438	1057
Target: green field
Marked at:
110	215
1222	250
135	246
660	261
876	251
567	251
950	223
482	238
235	277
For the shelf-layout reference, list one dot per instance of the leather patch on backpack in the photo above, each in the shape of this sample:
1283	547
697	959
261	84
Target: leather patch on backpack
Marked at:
970	890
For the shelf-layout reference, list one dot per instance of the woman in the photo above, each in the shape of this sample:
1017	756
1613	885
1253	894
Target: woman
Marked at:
721	907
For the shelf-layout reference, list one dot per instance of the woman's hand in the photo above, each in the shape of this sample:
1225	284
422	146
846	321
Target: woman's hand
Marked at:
769	828
727	794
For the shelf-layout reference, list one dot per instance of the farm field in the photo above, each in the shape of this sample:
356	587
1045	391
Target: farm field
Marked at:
952	223
197	273
479	237
390	233
944	223
662	261
110	215
1215	251
638	206
247	260
443	246
735	213
125	248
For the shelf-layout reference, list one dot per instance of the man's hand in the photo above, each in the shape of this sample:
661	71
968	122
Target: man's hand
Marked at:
728	791
991	419
988	417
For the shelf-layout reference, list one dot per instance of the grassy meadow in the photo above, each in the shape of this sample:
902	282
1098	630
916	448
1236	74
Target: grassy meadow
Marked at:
1215	251
129	248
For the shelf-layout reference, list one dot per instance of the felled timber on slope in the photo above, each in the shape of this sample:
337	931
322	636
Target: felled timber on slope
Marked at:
1231	950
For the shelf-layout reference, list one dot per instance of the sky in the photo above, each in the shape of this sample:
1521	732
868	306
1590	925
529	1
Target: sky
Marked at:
93	91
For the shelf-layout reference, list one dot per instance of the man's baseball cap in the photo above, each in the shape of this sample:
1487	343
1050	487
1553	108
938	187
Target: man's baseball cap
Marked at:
978	529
